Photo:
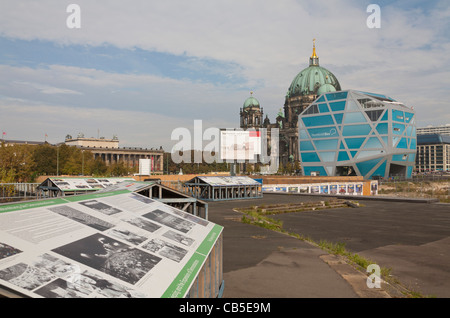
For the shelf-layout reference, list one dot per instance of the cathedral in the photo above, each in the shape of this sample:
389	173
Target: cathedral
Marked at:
304	89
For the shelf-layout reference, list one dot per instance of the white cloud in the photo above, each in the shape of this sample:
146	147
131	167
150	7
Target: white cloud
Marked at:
268	41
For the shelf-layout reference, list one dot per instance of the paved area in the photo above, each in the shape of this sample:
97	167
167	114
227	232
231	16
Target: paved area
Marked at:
412	239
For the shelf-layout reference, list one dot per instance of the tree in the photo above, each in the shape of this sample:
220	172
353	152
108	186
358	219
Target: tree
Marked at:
45	158
18	161
98	167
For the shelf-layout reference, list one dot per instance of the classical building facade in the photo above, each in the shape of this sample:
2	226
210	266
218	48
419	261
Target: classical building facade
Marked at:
110	152
303	90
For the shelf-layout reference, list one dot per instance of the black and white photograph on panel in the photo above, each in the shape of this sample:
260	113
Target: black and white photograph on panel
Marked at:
87	284
188	216
165	249
126	235
142	223
141	198
100	207
82	217
7	250
55	265
187	241
26	276
170	220
110	256
61	288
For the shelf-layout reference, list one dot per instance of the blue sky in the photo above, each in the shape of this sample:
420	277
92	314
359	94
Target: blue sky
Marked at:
140	69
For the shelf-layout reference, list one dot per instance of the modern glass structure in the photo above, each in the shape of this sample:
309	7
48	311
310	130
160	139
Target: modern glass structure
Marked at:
357	133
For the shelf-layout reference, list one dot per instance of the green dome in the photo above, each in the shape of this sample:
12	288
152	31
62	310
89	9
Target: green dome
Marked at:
251	102
308	81
325	88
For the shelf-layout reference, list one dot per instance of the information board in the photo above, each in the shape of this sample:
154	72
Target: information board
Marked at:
107	244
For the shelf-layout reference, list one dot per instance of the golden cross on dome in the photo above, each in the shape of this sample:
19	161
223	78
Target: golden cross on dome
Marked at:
314	55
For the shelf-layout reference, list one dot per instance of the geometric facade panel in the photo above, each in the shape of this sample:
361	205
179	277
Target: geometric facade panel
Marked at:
357	133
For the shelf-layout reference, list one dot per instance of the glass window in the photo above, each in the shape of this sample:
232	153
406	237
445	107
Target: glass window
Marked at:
337	106
381	170
402	144
409	131
369	153
365	166
306	145
328	156
337	95
313	109
319	169
321	99
374	115
398	115
303	134
343	156
373	142
356	130
338	118
398	128
326	144
370	103
351	118
408	117
382	129
354	143
323	120
385	116
351	105
323	108
310	157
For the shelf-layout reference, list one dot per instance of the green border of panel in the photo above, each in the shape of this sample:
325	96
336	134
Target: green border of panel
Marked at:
30	205
100	195
181	284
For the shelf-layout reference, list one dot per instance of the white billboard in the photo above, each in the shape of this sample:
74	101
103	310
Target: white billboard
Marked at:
145	167
240	144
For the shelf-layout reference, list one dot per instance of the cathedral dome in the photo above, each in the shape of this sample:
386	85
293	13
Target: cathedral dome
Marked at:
326	88
308	81
251	102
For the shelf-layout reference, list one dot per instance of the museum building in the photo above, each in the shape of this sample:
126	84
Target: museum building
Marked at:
357	133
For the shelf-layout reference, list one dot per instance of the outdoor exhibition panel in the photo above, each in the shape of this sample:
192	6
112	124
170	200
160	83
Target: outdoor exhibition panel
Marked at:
107	244
343	188
61	186
223	188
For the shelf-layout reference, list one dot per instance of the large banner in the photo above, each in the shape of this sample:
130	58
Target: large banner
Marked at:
109	244
240	144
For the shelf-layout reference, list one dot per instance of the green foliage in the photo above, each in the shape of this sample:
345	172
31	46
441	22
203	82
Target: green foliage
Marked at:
23	163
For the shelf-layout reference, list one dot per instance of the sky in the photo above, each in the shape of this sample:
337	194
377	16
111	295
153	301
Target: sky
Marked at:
139	69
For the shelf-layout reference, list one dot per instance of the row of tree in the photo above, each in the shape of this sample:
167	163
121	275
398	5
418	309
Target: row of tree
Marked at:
24	163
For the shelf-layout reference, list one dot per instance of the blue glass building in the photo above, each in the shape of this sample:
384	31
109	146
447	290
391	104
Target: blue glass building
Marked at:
357	133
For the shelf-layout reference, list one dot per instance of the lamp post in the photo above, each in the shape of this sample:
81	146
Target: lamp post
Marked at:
82	162
57	160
